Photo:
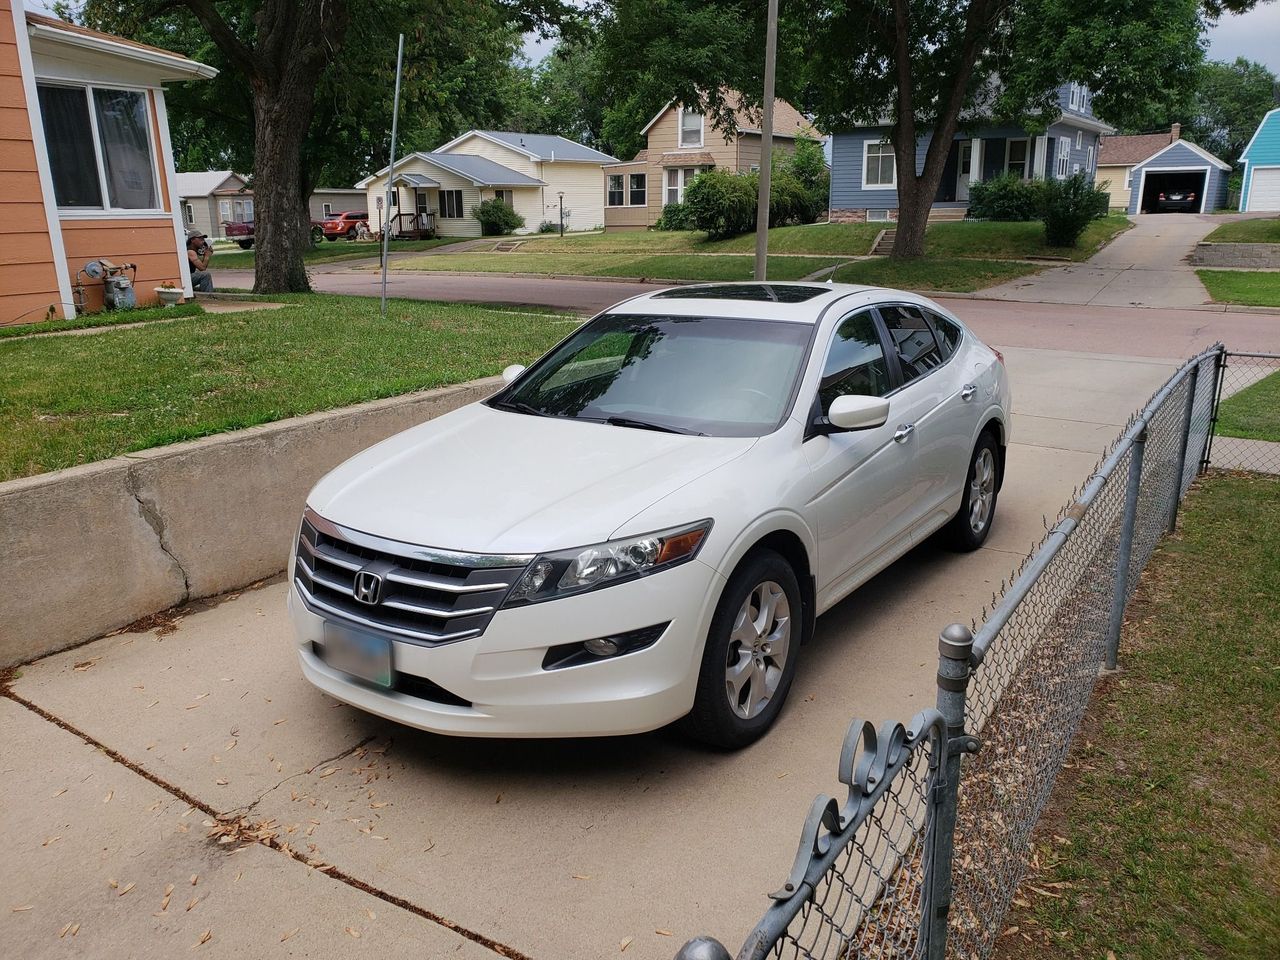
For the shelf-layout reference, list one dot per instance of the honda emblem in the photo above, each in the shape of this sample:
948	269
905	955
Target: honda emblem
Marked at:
368	587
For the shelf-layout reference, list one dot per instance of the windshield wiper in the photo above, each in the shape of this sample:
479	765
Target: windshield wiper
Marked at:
646	425
518	406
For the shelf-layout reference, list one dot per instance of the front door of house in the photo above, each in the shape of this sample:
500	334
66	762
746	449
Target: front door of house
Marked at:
964	170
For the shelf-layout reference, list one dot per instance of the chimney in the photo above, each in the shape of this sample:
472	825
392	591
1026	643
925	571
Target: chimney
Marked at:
1175	132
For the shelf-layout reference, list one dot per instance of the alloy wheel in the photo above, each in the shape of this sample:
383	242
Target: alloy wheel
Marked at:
982	490
758	648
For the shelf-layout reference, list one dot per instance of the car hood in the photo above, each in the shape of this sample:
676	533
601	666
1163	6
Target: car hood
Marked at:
490	481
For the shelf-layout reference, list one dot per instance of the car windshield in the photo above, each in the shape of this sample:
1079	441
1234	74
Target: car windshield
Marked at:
698	375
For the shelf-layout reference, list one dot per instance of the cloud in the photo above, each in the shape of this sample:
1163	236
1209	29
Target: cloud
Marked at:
1254	35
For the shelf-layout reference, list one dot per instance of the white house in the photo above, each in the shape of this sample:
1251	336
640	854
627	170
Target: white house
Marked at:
537	174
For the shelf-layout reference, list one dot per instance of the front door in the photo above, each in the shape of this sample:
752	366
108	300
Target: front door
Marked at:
964	170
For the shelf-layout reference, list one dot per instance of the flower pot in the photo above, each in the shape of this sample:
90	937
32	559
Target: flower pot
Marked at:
169	296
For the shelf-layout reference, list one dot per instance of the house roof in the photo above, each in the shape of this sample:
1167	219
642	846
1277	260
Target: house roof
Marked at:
171	65
685	158
481	171
204	182
415	180
1127	151
787	120
1266	118
538	146
1200	151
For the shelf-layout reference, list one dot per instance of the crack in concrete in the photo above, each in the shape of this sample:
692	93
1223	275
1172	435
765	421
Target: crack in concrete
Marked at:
150	513
245	810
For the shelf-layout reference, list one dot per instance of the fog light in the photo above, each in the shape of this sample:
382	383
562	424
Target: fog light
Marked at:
601	647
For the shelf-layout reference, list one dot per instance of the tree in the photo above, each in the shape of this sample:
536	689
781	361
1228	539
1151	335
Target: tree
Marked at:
1231	99
926	69
316	77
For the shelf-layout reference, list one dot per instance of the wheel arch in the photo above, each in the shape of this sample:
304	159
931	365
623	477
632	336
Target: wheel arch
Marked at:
994	424
796	546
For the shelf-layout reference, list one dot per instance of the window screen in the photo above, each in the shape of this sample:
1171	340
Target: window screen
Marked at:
855	362
912	339
126	149
69	137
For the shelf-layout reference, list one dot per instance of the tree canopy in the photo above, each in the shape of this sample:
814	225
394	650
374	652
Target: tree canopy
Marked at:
1230	101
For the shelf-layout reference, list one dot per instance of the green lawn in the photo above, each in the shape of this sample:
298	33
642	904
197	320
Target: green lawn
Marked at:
328	252
70	400
1160	839
954	274
1266	230
1254	288
992	240
838	239
107	318
1254	412
672	266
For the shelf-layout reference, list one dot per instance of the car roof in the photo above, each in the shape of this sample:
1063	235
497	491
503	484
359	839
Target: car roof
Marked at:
799	302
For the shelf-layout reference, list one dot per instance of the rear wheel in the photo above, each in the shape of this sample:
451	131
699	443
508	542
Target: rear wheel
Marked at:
244	244
750	656
969	527
351	234
330	237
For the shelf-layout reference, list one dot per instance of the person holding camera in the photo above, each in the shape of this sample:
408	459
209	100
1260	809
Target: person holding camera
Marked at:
198	253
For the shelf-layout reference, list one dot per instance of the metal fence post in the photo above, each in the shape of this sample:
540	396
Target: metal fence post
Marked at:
1219	374
954	648
1124	554
1181	474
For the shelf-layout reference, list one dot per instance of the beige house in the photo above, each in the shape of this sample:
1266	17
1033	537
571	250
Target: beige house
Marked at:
680	144
539	175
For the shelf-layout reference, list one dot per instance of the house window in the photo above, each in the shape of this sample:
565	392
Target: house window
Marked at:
1062	161
224	211
678	180
1074	97
506	196
451	204
1079	139
1086	99
1015	157
877	216
1088	161
1128	178
878	169
690	128
243	210
637	190
326	210
614	190
189	212
99	144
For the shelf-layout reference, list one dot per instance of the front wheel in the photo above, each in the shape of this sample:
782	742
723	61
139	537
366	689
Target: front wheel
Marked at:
750	656
244	244
969	527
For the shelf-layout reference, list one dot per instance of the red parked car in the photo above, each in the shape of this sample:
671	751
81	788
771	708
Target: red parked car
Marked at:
345	224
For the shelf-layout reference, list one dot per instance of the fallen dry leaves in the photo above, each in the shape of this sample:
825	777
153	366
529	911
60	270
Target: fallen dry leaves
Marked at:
289	933
204	938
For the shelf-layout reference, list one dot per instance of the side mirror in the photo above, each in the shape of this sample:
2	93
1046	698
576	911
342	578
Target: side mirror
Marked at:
510	373
854	412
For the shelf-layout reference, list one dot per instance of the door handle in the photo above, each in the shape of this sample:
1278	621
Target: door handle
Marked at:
968	391
904	431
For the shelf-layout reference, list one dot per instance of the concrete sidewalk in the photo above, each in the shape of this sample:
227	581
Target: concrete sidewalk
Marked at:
565	850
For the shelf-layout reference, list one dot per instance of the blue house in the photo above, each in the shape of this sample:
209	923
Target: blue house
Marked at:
1181	166
1261	158
864	175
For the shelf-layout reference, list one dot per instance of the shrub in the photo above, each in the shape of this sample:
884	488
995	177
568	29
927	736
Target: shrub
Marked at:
675	216
790	201
548	226
808	165
1067	206
496	218
722	204
1006	197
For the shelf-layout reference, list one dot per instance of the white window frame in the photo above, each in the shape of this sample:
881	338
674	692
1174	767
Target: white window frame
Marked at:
1086	99
621	191
680	141
1128	178
1079	139
866	152
684	176
106	210
224	211
189	213
877	216
1062	158
1026	156
1073	100
326	210
1088	158
507	196
643	189
460	213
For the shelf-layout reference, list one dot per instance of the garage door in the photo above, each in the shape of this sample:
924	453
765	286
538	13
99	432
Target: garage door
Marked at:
1264	194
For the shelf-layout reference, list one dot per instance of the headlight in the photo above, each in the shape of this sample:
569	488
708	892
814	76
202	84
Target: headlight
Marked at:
580	569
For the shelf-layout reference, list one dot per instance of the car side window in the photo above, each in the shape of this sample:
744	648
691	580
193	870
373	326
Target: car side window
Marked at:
947	331
913	340
856	363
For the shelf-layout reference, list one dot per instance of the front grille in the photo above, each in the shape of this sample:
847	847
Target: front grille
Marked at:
427	597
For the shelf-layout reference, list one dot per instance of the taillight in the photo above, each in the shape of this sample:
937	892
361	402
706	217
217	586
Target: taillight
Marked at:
1161	197
1191	196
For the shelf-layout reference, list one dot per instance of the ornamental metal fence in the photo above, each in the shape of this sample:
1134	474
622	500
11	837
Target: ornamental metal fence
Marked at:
923	856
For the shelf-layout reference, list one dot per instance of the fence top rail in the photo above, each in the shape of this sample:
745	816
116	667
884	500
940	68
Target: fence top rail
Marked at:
1252	354
1059	534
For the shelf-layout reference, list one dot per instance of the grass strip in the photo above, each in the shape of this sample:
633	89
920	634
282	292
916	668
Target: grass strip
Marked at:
1266	230
107	318
956	274
1253	288
330	252
658	266
999	240
1254	412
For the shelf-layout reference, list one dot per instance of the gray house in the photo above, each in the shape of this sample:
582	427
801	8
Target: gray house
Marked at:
864	171
211	198
1182	165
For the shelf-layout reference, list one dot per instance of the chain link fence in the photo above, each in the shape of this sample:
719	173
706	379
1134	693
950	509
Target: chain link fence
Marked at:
924	857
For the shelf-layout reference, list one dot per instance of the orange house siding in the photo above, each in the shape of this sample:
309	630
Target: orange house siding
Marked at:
147	242
28	277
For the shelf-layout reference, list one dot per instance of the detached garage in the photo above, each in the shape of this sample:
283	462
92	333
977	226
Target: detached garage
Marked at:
1261	158
1181	178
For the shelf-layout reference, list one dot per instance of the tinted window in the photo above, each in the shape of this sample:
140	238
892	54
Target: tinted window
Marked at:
855	363
762	292
913	340
947	331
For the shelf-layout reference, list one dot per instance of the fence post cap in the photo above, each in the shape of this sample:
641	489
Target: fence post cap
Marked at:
956	642
703	948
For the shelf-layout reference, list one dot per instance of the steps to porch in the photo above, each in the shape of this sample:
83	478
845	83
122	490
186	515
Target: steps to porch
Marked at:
884	243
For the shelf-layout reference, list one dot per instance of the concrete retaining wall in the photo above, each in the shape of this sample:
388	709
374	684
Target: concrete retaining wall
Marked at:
93	548
1265	255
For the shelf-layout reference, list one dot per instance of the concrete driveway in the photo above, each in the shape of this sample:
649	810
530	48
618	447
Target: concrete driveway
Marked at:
1145	266
117	754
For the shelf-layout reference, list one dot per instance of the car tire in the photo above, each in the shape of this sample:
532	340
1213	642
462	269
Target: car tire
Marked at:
244	244
330	238
969	528
745	676
351	234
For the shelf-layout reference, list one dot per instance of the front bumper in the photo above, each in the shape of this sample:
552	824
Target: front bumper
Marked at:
501	674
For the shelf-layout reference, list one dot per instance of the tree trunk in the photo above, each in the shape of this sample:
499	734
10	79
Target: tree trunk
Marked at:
916	192
282	117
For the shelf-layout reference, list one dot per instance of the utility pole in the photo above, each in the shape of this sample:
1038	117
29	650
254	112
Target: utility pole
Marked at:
766	144
391	172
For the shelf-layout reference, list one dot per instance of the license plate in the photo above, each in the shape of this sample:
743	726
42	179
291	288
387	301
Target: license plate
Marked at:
363	655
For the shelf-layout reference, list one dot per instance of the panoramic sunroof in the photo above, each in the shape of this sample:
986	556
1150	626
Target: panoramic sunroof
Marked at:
759	292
